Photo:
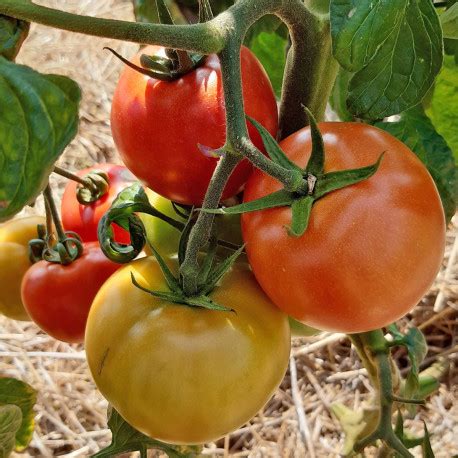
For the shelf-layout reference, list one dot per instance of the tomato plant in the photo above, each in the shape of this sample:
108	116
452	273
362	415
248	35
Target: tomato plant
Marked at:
14	262
352	269
233	361
58	297
84	218
148	114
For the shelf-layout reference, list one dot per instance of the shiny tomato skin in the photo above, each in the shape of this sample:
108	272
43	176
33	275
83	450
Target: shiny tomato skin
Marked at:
371	251
58	298
180	374
84	219
21	230
158	125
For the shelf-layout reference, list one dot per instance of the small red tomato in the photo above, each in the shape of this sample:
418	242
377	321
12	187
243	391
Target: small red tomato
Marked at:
158	125
58	298
84	219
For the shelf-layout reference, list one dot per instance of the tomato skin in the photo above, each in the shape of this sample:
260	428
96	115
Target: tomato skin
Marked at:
189	375
14	263
371	251
58	298
84	219
158	125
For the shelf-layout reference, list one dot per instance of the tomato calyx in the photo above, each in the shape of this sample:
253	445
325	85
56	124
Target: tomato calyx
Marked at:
176	62
96	186
316	183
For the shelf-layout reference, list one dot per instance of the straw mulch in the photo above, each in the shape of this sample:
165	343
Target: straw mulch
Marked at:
71	414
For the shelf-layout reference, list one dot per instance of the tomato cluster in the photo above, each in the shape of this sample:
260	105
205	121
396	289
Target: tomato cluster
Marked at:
177	372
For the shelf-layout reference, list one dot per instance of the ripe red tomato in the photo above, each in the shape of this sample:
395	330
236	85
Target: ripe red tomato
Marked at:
371	250
84	219
158	125
58	298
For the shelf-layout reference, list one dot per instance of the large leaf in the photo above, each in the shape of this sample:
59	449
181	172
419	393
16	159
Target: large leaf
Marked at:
444	103
10	422
394	48
416	130
125	439
449	21
38	118
22	395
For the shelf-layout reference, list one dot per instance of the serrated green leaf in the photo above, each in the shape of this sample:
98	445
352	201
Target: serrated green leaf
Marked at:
38	118
416	130
272	148
444	103
270	49
12	34
10	422
449	21
22	395
394	48
125	439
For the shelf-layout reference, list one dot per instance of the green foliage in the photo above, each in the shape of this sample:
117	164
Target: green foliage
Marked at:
449	21
443	109
125	439
10	422
394	49
339	95
38	118
22	396
12	33
145	11
416	130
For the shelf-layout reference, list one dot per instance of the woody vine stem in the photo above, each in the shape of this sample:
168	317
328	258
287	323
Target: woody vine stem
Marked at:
309	76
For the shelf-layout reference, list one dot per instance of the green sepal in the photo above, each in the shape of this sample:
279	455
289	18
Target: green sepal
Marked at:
315	165
205	11
209	257
172	282
185	237
272	148
164	14
333	181
426	446
215	276
279	198
100	182
206	303
155	63
301	209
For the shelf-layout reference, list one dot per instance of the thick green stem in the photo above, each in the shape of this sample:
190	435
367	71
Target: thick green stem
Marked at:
310	68
204	38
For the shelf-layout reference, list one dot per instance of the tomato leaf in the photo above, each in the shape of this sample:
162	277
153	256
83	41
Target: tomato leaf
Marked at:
339	95
444	103
416	130
394	48
449	21
125	439
38	118
10	422
12	34
300	210
426	446
145	11
22	395
272	148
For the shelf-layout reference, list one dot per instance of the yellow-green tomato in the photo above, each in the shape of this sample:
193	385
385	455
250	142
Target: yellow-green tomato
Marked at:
14	263
21	230
181	374
299	329
164	237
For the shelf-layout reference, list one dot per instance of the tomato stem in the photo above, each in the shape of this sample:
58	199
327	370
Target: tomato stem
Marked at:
47	194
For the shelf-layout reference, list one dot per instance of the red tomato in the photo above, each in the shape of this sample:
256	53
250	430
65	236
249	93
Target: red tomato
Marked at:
371	250
58	298
84	219
158	125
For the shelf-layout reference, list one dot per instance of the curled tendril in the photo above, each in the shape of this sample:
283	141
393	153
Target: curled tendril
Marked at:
117	252
97	186
65	251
